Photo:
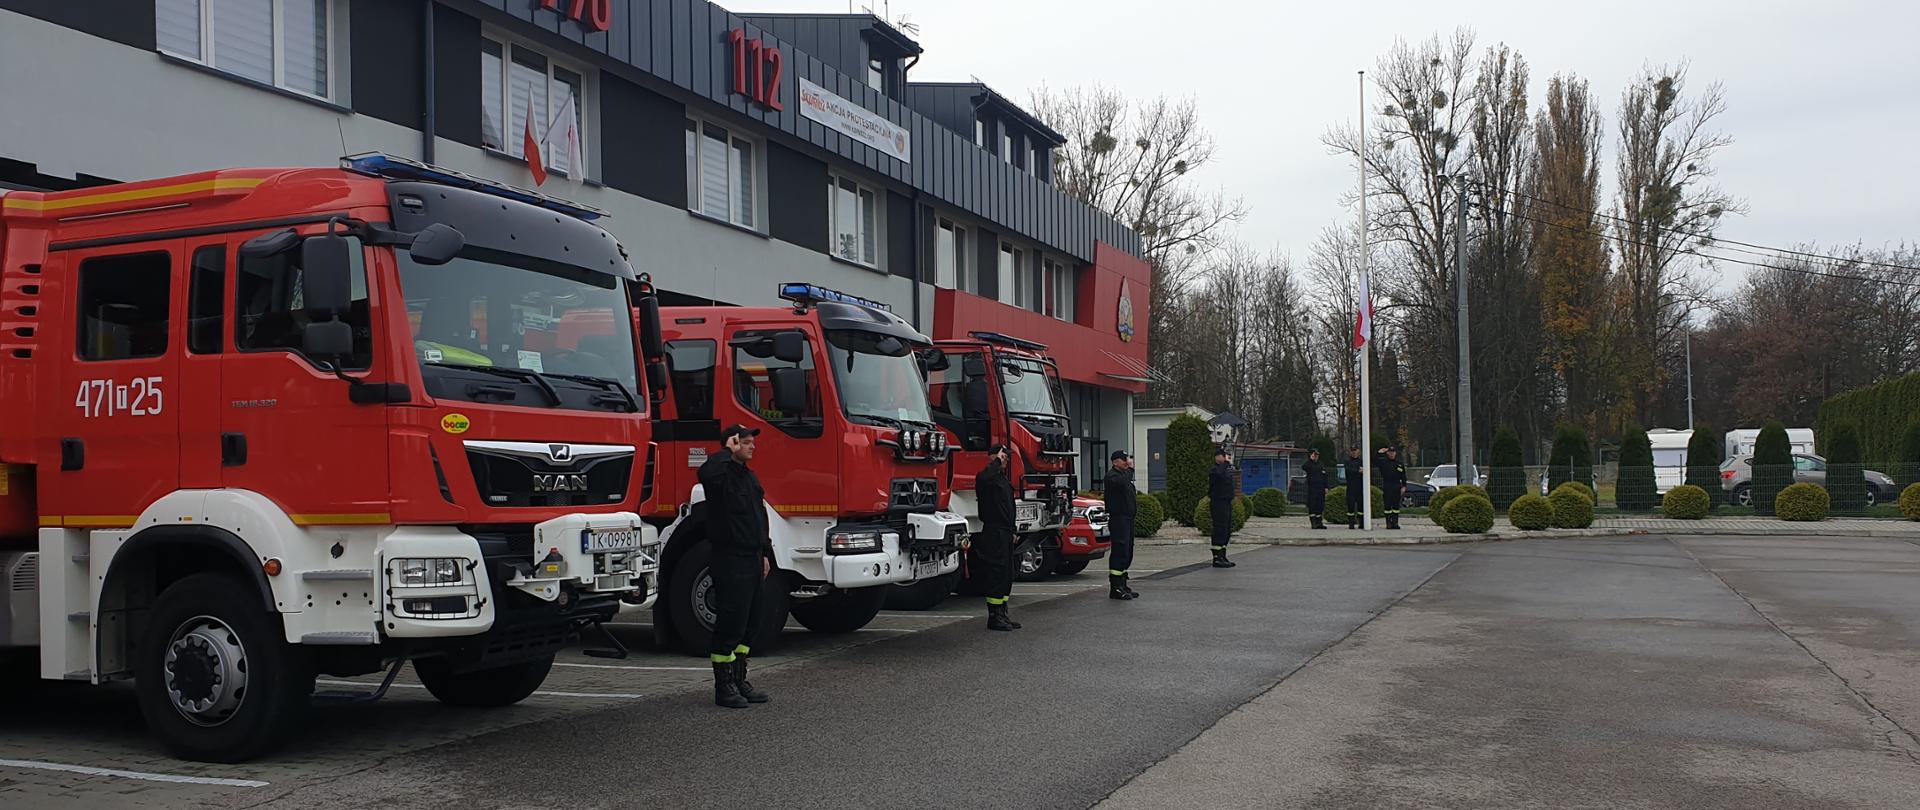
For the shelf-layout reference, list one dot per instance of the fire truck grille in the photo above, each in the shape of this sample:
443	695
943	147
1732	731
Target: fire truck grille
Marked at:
516	481
913	495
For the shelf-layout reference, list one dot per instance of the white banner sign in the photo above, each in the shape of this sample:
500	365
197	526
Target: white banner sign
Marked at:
854	121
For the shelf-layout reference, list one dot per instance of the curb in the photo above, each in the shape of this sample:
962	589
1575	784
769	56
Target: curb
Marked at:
1445	539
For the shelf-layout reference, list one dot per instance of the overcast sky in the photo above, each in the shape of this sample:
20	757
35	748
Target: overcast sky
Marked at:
1824	97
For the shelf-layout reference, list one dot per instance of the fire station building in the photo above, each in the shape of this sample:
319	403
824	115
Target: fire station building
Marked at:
732	151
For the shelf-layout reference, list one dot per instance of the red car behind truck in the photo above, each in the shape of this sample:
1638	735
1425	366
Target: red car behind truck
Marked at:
260	425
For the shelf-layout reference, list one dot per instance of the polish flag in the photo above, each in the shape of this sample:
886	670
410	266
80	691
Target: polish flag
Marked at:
1363	325
532	146
567	126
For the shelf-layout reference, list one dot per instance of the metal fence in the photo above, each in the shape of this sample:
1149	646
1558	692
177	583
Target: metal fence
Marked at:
1738	489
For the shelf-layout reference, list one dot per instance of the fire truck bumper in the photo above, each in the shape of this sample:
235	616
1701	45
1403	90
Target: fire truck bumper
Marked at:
928	548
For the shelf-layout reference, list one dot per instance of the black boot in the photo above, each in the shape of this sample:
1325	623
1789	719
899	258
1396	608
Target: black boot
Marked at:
997	618
1393	521
725	691
1220	559
1117	587
1317	522
740	682
1353	522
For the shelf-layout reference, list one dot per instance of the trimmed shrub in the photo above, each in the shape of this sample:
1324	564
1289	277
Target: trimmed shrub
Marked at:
1846	476
1685	502
1802	502
1772	466
1203	515
1147	521
1438	503
1508	479
1468	514
1575	486
1571	459
1189	456
1269	502
1530	512
1242	503
1910	502
1166	502
1337	504
1572	509
1703	463
1636	490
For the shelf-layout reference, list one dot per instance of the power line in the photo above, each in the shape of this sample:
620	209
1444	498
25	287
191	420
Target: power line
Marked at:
1719	241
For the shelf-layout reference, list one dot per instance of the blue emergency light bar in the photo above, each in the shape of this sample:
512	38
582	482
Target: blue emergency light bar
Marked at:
1009	340
377	164
802	294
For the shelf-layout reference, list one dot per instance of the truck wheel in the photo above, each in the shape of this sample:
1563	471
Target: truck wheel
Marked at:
215	678
693	608
484	688
926	594
842	611
1068	568
1032	563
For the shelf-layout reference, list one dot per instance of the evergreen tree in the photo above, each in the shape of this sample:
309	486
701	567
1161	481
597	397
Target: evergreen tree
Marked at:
1508	480
1636	488
1189	456
1772	466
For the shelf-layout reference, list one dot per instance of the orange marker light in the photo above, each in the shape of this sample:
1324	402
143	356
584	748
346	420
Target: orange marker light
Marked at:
272	565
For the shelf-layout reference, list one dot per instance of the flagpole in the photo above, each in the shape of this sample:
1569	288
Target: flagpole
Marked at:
1366	346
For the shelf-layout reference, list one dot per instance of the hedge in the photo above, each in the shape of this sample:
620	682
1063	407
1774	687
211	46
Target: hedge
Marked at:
1802	502
1149	517
1166	502
1467	514
1572	457
1508	479
1269	502
1887	416
1530	512
1910	502
1703	463
1772	466
1636	489
1337	504
1203	515
1686	502
1572	509
1189	456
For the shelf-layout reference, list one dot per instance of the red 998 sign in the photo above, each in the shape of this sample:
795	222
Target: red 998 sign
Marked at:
594	14
756	69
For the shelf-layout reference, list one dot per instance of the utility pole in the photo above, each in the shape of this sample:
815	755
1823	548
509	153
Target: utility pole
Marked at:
1464	447
1689	378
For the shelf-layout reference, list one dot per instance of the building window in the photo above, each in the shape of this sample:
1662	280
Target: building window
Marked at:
514	78
270	314
123	306
721	174
1006	146
284	43
1058	279
951	269
1039	160
877	74
1011	275
854	217
980	132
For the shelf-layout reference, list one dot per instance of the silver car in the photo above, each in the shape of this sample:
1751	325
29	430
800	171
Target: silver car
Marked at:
1736	479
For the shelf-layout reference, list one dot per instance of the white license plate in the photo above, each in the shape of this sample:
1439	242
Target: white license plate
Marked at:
1099	532
929	568
602	541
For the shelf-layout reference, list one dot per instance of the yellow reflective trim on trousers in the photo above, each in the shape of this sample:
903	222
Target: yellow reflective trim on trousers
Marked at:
741	649
1218	548
1113	573
996	600
721	659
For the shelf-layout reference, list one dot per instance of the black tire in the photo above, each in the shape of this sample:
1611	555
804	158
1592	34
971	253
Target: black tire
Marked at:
692	609
1068	568
926	594
230	653
485	688
1743	495
1873	496
842	611
1032	562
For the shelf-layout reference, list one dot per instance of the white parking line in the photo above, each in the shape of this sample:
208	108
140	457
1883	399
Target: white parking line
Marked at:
148	777
629	666
915	614
600	695
888	630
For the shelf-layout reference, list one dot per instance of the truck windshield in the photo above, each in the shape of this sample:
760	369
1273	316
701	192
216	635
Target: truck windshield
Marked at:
1032	388
874	385
547	334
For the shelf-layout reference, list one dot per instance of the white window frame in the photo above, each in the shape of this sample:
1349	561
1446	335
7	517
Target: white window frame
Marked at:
877	74
1010	292
332	50
756	217
1006	145
834	183
980	132
963	276
511	141
1060	278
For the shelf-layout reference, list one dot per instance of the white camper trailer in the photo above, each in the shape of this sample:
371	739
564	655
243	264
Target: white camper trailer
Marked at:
1669	457
1740	442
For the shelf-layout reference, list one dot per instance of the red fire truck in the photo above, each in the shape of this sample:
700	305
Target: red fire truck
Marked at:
261	425
995	389
852	462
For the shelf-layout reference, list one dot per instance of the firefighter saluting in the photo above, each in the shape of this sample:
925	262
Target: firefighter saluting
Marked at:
1356	486
1316	489
1392	476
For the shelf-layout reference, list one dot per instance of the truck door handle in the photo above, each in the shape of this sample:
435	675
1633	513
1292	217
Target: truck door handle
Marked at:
73	454
233	449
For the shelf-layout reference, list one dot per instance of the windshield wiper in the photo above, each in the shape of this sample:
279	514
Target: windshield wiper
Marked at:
615	386
546	388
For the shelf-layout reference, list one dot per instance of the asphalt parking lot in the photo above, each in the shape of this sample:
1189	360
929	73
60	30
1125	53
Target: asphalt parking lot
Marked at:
1619	672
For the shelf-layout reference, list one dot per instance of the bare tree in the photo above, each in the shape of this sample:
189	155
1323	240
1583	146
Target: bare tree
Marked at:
1332	268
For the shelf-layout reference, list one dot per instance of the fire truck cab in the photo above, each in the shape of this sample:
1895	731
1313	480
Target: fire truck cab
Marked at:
850	458
262	425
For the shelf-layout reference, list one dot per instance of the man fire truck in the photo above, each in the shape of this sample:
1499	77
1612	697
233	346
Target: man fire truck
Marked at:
261	425
852	463
993	389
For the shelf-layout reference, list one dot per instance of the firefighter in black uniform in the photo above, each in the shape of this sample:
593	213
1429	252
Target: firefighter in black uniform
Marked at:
993	547
736	520
1122	505
1220	501
1355	486
1316	489
1392	476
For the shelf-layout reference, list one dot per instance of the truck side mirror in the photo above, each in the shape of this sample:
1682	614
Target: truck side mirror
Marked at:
437	244
657	377
327	340
789	390
326	285
789	347
647	312
936	360
973	367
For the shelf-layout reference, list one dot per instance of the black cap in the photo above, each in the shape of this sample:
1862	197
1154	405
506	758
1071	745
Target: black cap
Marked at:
1222	451
995	448
1118	454
737	430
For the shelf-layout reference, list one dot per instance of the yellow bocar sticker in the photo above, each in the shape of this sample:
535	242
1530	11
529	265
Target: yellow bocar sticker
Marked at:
455	423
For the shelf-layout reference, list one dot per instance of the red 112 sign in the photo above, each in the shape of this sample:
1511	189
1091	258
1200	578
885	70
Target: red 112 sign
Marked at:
594	14
756	69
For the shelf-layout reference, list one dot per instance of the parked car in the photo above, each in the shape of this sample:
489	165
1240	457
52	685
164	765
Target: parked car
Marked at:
1446	475
1736	479
1418	494
1084	540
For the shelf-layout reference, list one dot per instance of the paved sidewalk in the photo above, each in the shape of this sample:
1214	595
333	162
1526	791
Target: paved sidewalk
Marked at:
1294	530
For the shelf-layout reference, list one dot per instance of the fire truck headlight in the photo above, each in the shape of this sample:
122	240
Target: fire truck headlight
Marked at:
428	572
845	542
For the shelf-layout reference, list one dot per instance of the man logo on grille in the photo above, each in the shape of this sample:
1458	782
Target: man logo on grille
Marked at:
560	453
